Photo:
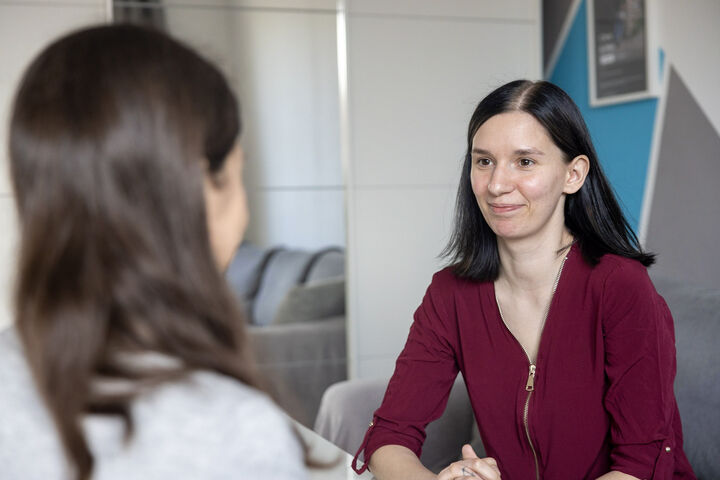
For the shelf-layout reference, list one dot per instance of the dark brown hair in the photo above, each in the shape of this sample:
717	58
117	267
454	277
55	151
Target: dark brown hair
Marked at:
112	130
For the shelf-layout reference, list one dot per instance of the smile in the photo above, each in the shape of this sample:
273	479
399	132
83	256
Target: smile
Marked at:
501	208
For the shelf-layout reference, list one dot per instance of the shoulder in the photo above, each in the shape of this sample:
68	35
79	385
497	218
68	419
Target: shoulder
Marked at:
623	275
249	418
226	426
447	296
446	276
447	281
219	402
252	410
444	288
627	295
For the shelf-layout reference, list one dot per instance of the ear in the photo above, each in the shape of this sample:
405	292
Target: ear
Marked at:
577	171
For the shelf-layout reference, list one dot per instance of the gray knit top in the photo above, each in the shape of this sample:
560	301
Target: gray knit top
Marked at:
205	427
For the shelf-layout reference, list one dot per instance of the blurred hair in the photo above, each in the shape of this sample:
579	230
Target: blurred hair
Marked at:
592	214
111	133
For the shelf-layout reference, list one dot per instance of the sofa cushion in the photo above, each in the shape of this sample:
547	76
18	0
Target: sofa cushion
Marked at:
312	301
696	311
283	271
244	274
297	362
328	263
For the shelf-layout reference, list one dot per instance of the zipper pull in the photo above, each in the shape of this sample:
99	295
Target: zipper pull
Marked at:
530	386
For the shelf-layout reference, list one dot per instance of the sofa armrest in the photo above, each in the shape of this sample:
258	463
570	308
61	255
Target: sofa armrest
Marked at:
347	408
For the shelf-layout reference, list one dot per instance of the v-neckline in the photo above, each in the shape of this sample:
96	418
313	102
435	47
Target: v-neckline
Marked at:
556	287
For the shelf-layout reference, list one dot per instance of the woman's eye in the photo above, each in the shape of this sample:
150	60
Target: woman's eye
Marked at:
483	162
526	162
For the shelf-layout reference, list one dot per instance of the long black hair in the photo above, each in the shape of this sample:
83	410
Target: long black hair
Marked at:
592	214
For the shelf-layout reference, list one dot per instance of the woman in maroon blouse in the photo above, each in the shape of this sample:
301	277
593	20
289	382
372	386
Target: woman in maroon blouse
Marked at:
566	348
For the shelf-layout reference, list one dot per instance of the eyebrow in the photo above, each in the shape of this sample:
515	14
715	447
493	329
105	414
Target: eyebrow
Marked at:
521	151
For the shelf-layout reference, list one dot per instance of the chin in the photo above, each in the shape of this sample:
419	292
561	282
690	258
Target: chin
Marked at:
508	237
512	234
506	232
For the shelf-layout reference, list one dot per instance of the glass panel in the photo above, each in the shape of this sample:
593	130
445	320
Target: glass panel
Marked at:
283	65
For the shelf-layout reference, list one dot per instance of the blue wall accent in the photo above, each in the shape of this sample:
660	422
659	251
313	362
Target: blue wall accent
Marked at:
622	133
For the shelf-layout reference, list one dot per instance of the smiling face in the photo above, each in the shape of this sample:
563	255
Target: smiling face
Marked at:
520	177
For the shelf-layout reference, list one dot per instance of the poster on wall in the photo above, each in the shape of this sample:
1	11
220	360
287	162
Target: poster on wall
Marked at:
619	46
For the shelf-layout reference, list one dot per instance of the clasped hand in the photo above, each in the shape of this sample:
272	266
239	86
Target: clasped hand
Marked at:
471	467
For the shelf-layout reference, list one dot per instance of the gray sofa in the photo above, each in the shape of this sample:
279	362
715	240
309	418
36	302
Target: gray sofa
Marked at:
294	302
347	407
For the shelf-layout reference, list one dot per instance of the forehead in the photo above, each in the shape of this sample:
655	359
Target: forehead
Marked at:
512	130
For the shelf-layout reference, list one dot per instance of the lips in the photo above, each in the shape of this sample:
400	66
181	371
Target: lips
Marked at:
500	208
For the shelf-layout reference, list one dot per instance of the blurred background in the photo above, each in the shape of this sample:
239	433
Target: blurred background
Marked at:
355	115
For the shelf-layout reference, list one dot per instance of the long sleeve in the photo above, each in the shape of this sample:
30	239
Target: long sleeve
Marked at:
640	369
424	374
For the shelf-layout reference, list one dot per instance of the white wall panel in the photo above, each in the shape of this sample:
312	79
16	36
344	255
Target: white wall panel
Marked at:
415	83
286	72
55	3
400	232
688	32
297	218
283	65
416	71
284	68
376	367
209	30
260	4
479	9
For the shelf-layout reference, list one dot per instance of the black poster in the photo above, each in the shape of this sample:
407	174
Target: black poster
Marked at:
620	48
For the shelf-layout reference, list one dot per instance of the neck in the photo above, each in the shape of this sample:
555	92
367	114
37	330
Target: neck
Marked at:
529	264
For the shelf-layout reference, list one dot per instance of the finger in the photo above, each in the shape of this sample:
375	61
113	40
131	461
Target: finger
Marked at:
473	476
448	474
468	469
493	463
485	470
458	471
468	452
468	473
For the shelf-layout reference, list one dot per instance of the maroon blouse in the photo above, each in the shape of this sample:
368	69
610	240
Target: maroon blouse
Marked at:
602	397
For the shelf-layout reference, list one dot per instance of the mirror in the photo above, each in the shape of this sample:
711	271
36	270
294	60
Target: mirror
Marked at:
282	63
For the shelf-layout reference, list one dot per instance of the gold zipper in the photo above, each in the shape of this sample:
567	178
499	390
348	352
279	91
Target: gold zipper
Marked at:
530	384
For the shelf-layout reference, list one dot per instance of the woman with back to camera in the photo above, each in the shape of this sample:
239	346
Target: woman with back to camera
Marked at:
566	349
128	355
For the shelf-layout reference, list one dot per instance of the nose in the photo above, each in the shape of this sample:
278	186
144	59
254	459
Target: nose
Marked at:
500	181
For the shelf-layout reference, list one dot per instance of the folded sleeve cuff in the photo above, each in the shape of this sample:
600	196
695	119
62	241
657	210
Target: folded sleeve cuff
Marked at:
652	461
377	436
